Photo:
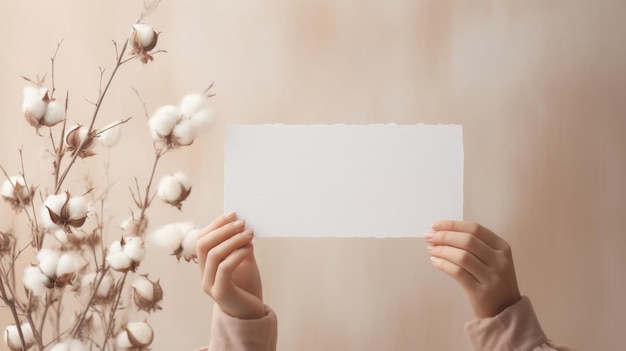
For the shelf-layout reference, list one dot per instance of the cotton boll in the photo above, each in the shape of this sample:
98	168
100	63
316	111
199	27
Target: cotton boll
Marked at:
163	121
119	261
60	347
169	189
35	101
186	226
184	132
70	345
7	189
202	120
111	134
139	333
106	285
12	336
54	114
145	287
61	236
56	202
116	258
122	340
191	103
48	261
146	35
35	281
182	179
189	244
9	186
135	248
115	248
76	345
52	203
168	237
78	207
67	265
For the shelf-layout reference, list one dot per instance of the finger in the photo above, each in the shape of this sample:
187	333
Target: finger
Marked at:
215	237
219	253
463	259
466	280
482	233
218	222
463	241
223	281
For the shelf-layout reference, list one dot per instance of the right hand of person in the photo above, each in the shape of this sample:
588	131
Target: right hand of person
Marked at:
479	260
230	274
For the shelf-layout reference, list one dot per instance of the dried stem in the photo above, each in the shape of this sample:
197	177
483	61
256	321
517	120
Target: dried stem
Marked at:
60	152
10	301
52	68
81	319
111	322
95	115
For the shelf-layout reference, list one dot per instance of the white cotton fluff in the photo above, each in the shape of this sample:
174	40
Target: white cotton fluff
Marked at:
141	332
55	203
61	236
116	258
192	103
78	207
33	101
144	286
35	281
184	132
70	345
111	135
54	113
163	121
67	264
170	188
189	244
105	286
145	32
48	261
12	335
168	237
135	248
183	179
9	184
122	340
202	120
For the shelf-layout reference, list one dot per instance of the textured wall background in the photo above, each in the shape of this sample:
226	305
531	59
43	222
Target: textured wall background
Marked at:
540	88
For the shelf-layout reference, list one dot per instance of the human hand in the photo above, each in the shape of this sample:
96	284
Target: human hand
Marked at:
479	260
229	271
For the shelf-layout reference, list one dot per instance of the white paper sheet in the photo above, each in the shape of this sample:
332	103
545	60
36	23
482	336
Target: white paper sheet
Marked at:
343	180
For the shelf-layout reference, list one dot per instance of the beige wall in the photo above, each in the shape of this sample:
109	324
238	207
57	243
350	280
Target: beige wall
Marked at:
540	88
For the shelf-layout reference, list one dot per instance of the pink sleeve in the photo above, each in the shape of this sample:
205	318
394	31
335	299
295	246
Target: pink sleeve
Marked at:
233	334
516	329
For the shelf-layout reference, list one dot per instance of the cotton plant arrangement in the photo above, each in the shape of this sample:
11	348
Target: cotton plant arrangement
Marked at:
84	288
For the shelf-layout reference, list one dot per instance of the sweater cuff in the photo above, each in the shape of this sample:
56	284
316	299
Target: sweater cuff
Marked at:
516	328
230	333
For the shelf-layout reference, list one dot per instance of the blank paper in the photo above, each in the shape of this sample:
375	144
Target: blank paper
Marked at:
343	180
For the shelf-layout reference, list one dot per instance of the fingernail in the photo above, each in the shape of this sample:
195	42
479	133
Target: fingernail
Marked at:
230	215
436	225
435	260
248	232
428	236
239	223
430	248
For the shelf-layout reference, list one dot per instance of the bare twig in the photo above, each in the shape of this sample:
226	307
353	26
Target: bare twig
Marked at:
52	68
10	301
109	329
95	115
